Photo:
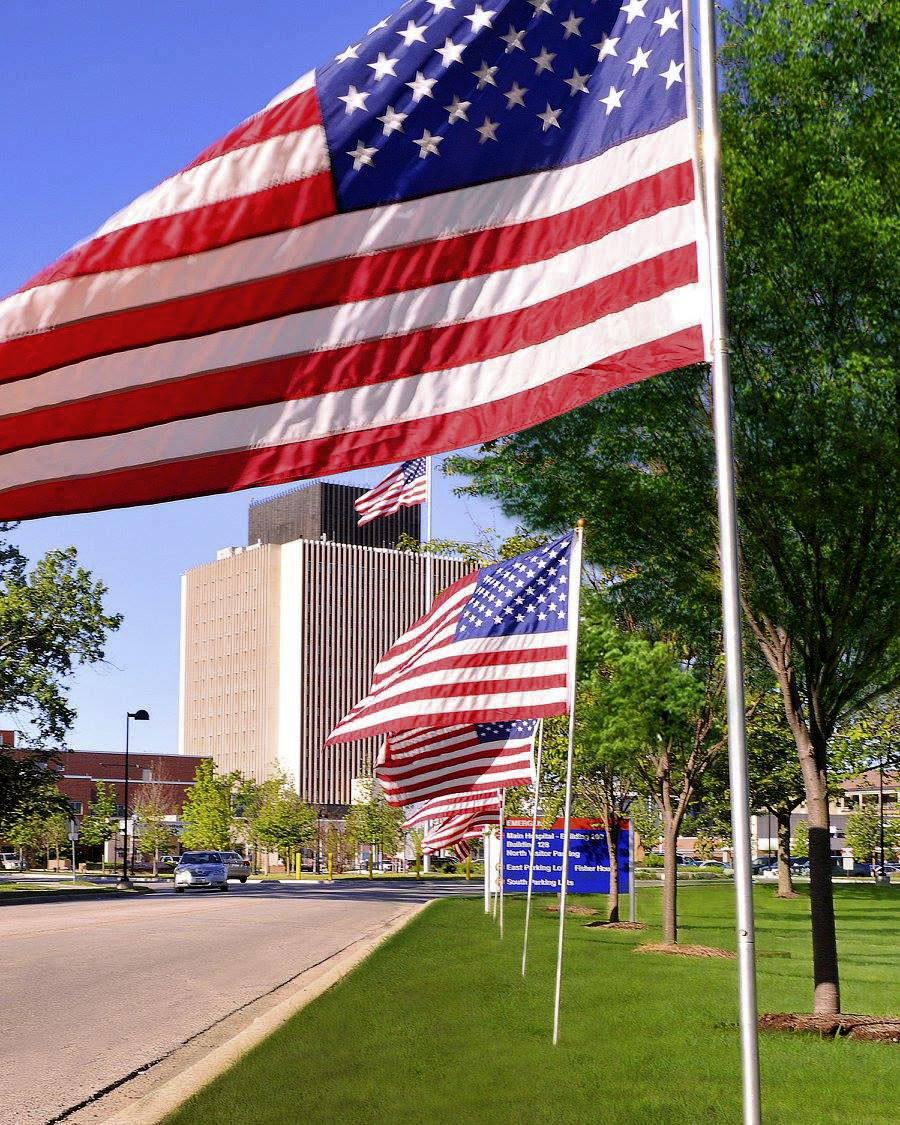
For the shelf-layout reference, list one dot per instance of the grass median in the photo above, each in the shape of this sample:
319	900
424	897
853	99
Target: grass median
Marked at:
439	1026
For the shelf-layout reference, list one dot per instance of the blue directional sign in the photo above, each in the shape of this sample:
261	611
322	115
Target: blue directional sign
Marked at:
588	857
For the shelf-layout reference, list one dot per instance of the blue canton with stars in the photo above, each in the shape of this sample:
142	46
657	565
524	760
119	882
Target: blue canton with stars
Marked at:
527	594
412	470
503	732
447	93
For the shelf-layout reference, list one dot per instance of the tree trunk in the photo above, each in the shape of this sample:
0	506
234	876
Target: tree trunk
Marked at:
155	861
612	840
785	883
670	881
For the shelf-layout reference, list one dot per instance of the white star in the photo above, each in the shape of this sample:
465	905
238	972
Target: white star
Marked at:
515	95
639	62
634	8
668	21
539	6
450	52
429	144
440	5
361	155
606	47
421	86
572	25
543	60
457	110
520	617
577	83
673	74
393	121
480	18
485	75
412	34
349	53
513	39
550	118
383	66
542	617
378	26
613	100
353	99
487	132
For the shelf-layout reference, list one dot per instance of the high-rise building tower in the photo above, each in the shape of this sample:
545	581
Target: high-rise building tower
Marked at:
279	639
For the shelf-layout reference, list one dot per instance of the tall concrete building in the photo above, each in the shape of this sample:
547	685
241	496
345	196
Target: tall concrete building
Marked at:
279	639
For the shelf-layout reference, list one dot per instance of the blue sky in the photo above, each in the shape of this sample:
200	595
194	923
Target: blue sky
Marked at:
99	101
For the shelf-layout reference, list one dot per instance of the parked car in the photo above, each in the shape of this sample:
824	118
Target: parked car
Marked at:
765	866
716	865
799	865
238	867
11	861
200	869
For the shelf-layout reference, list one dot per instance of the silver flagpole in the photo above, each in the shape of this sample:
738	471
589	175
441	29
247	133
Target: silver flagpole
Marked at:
534	820
487	874
632	901
429	595
500	879
574	606
729	569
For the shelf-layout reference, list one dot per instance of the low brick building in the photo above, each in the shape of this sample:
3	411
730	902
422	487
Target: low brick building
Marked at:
80	770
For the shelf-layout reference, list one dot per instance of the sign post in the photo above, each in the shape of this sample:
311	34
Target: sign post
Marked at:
73	836
632	904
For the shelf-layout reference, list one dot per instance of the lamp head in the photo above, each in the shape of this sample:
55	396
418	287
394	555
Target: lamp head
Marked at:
142	714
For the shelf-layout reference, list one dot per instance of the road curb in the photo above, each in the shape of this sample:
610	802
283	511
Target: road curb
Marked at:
152	1108
24	898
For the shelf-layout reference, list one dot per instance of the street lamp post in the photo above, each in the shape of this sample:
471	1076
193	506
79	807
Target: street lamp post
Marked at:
138	715
881	814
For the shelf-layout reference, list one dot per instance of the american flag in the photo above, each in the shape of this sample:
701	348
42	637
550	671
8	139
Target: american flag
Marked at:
477	758
492	647
458	828
461	849
404	488
454	804
476	216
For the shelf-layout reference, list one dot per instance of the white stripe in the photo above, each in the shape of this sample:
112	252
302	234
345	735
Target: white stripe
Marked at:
502	203
276	160
304	82
500	765
453	302
363	408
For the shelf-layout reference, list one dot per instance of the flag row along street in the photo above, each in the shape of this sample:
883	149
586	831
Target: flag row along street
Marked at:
472	219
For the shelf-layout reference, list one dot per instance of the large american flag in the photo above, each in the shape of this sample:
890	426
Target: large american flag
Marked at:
477	758
406	486
493	646
454	804
474	217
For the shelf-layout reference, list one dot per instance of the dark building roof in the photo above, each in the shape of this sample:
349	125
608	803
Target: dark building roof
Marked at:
323	509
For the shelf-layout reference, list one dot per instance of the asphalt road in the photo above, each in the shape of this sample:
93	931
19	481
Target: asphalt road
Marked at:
91	991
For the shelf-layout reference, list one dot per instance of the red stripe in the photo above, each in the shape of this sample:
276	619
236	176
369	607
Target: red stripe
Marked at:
470	763
353	279
230	472
289	116
382	360
436	789
203	228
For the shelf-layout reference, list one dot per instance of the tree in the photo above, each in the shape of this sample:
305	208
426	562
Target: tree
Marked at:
285	823
207	815
153	834
811	240
52	618
100	822
376	823
800	839
647	823
54	832
863	834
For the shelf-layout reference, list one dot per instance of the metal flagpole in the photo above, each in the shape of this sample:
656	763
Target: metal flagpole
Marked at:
574	606
487	873
534	820
632	899
500	870
429	595
729	569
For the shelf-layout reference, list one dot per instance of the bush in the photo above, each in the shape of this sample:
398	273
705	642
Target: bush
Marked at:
654	859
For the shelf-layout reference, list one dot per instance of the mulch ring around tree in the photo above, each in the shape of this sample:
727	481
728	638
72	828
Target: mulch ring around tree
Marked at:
685	950
879	1029
575	911
617	925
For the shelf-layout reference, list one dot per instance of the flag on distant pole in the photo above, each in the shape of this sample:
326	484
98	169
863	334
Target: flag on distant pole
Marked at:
492	647
447	833
406	487
454	804
473	218
476	759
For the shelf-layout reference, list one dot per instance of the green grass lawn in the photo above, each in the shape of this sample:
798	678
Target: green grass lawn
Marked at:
439	1026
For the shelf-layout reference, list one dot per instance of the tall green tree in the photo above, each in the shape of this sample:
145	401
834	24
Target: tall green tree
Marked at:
810	165
100	822
375	823
207	814
152	832
284	823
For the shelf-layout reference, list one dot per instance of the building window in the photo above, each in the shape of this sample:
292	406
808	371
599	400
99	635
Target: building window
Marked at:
146	775
76	807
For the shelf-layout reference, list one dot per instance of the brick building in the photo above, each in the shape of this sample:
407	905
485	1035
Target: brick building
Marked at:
80	770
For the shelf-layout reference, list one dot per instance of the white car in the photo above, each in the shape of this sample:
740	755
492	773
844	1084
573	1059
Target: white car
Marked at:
200	869
11	861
